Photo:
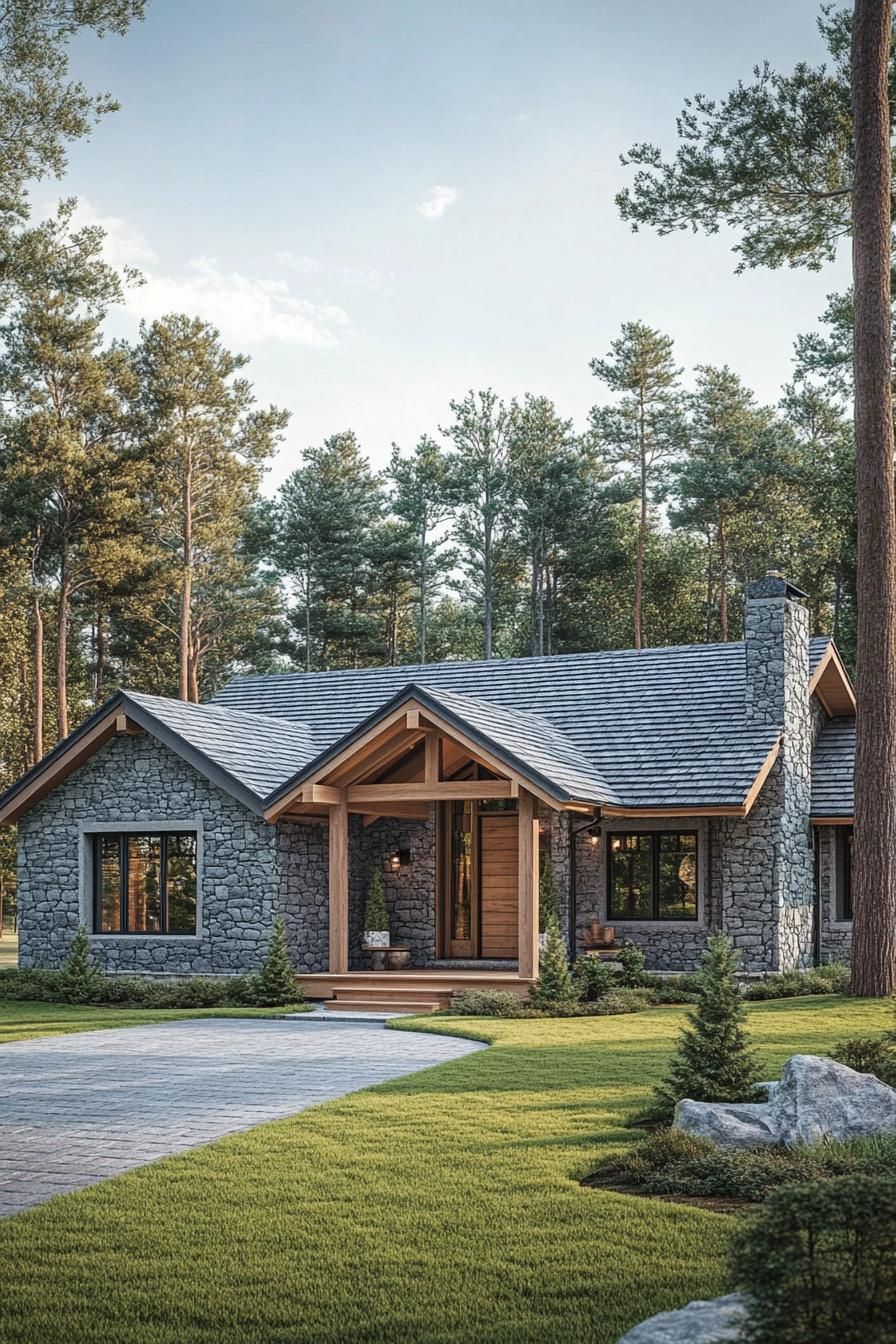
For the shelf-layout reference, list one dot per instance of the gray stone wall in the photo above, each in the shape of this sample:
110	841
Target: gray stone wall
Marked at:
836	934
410	891
133	782
304	867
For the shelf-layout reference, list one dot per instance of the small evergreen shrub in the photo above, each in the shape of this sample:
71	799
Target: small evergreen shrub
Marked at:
672	1162
486	1003
592	978
276	983
714	1061
631	959
869	1054
832	978
547	896
376	919
614	1002
80	979
554	985
818	1263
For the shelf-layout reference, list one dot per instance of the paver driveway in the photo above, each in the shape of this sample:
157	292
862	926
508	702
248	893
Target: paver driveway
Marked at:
77	1109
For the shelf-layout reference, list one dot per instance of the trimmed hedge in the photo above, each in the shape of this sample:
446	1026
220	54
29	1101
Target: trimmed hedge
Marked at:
832	978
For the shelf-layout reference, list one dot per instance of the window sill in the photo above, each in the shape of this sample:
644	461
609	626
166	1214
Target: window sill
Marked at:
625	922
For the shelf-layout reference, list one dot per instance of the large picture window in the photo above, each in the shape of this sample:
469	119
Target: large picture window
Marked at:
844	872
652	875
145	883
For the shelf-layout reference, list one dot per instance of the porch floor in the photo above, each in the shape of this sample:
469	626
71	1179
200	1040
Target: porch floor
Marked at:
421	990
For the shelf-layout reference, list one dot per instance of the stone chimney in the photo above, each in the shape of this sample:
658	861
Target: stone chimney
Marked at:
776	631
767	871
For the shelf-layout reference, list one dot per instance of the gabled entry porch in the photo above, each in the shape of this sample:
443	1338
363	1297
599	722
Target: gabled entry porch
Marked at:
478	777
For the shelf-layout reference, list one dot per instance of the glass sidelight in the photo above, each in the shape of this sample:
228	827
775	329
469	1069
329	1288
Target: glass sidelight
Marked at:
460	905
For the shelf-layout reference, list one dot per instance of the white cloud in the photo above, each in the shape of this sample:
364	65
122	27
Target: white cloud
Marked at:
299	261
436	201
367	277
246	309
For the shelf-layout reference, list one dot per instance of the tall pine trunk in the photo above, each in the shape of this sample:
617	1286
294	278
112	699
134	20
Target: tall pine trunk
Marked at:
186	592
424	579
723	582
637	617
62	612
38	665
874	875
487	595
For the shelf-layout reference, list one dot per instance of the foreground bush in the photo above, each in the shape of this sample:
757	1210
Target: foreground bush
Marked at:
486	1003
714	1061
554	986
81	981
672	1162
869	1054
832	978
819	1263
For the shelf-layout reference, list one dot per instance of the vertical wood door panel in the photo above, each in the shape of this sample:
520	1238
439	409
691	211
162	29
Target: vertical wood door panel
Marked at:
499	885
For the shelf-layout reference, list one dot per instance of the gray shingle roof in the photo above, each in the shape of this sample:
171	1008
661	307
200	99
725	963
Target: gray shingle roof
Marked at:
659	727
832	769
818	645
254	752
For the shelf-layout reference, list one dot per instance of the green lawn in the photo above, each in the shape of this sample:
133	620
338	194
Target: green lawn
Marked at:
443	1207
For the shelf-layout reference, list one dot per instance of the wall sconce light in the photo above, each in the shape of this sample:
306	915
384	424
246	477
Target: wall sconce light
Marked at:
594	836
400	859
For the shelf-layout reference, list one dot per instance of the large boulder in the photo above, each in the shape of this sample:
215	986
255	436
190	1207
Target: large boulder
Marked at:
719	1319
820	1099
729	1124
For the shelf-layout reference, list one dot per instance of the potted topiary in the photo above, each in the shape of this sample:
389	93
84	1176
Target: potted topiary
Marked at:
376	921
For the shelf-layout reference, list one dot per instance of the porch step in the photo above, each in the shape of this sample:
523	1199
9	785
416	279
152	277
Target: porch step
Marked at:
472	964
383	1005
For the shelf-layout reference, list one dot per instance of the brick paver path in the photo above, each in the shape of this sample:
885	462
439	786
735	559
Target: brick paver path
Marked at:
77	1109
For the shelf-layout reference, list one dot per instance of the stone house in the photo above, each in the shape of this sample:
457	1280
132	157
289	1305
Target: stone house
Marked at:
675	791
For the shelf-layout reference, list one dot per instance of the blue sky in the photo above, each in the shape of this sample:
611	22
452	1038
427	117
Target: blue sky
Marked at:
386	203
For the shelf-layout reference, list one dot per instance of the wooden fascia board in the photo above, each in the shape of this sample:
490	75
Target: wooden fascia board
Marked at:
830	661
760	779
735	810
830	821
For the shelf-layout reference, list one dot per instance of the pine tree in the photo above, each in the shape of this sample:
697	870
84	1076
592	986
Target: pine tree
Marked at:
547	895
644	431
554	985
80	979
714	1060
418	499
276	983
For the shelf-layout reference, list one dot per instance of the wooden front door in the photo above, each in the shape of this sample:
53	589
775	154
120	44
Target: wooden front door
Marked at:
498	885
479	883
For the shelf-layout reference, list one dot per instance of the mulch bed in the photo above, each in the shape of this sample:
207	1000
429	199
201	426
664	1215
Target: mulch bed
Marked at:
714	1203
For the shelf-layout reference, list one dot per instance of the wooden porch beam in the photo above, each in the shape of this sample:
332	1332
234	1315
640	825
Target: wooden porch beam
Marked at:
322	793
528	886
432	758
338	887
414	793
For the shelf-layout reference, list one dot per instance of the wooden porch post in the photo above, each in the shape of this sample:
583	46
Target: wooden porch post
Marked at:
528	886
339	886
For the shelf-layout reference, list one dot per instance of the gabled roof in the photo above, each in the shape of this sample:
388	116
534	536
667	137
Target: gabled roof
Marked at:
528	746
247	755
833	763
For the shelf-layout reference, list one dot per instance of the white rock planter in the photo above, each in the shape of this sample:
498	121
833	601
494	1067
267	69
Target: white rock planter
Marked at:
376	938
816	1099
712	1322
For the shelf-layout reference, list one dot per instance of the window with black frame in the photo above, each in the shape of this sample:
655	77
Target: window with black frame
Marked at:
652	875
145	882
844	872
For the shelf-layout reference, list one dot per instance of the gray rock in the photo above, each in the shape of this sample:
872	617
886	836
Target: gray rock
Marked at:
719	1319
729	1124
818	1098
